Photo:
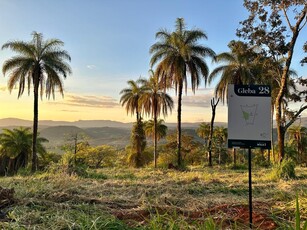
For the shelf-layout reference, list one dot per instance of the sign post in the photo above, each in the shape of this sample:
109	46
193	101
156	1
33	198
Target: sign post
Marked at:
249	123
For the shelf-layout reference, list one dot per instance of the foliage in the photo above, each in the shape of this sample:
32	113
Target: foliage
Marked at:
131	98
144	159
16	148
48	158
67	166
192	151
285	170
98	156
138	144
239	66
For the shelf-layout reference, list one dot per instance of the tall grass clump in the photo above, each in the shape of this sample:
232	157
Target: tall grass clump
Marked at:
285	170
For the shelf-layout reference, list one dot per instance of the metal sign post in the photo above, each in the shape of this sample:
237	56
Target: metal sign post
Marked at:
249	123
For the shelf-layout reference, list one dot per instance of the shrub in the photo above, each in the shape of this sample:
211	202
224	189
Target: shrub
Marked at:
285	171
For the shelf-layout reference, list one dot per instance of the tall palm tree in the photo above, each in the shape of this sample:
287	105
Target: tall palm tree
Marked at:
16	145
239	66
179	55
156	130
155	102
131	100
41	63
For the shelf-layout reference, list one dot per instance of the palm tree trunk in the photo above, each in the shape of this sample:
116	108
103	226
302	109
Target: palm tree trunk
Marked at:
180	87
272	135
138	141
155	135
35	125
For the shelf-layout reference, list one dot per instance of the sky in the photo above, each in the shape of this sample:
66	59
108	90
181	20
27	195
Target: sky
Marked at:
109	42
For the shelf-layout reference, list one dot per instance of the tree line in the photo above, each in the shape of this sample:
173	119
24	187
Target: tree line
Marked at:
178	60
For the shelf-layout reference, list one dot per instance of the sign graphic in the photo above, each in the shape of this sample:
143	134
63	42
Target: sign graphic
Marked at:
249	116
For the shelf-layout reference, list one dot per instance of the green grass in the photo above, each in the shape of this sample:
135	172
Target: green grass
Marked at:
125	198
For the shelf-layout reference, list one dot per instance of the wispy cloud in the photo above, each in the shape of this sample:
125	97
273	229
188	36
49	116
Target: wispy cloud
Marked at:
89	101
70	110
91	66
197	100
202	100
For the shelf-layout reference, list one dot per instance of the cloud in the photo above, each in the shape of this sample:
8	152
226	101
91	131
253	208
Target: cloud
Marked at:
202	100
91	66
89	101
70	111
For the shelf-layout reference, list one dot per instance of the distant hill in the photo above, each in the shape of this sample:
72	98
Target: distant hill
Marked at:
15	122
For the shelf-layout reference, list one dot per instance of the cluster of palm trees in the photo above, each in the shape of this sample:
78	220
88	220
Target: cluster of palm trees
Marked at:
146	96
178	57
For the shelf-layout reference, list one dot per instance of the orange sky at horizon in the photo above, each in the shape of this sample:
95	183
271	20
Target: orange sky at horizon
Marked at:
75	107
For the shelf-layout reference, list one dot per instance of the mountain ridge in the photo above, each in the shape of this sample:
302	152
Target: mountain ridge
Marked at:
16	122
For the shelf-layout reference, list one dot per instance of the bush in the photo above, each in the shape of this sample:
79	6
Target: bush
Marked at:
285	171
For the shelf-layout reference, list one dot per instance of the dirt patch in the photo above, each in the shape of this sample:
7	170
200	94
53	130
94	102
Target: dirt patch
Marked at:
225	214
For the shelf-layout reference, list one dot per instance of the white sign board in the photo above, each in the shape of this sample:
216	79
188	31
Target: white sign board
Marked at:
249	116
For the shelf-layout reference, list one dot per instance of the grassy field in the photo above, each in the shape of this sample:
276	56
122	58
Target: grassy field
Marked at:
113	198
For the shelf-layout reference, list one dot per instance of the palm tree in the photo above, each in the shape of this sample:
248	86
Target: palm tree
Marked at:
298	135
155	102
177	55
16	145
41	63
239	67
157	130
220	135
131	100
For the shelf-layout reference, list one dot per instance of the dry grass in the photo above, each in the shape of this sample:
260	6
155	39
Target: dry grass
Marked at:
152	199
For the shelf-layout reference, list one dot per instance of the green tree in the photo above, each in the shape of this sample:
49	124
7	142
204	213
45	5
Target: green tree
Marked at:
275	27
190	148
16	144
179	55
155	102
96	156
40	63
